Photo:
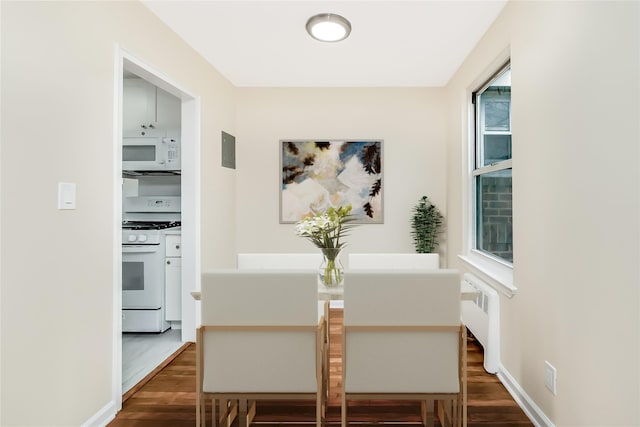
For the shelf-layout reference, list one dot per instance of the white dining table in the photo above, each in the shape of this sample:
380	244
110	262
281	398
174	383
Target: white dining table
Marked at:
467	293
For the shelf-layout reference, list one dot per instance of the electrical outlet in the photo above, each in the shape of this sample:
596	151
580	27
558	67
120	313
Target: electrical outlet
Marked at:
550	377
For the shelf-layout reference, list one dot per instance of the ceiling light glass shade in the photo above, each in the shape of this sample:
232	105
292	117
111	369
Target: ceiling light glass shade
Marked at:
328	27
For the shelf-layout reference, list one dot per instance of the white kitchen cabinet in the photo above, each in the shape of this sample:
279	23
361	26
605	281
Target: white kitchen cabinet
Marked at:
173	278
168	113
173	289
139	108
148	110
173	247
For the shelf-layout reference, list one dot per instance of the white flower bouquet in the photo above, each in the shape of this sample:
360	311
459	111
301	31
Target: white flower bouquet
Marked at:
326	231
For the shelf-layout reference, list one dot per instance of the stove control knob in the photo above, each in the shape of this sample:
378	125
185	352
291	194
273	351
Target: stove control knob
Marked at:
131	238
142	238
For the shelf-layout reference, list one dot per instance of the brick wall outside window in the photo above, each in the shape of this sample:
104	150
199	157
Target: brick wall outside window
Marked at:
497	227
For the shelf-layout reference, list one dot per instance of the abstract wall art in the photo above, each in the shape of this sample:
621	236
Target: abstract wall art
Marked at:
317	174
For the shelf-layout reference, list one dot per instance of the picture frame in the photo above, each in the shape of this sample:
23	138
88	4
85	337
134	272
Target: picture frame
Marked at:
316	174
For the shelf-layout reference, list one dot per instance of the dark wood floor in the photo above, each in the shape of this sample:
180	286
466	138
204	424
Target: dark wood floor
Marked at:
168	399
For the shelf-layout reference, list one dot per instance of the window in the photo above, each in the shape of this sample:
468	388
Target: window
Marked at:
492	213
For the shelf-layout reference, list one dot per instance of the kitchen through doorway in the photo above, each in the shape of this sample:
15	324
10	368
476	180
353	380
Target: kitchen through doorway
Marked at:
155	314
151	228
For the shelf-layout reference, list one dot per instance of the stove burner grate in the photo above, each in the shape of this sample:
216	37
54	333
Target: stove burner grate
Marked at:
149	225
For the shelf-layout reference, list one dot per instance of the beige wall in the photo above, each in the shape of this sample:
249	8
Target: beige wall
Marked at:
575	76
576	206
57	125
409	120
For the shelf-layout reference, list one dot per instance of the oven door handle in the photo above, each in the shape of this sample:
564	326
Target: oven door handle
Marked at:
139	249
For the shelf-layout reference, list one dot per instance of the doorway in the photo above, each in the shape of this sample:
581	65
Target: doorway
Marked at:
190	195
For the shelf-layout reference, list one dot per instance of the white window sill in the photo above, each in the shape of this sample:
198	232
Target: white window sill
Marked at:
497	275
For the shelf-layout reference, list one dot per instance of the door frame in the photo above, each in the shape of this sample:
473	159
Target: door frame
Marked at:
190	193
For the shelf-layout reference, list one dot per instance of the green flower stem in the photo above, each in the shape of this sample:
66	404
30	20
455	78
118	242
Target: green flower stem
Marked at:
332	274
331	271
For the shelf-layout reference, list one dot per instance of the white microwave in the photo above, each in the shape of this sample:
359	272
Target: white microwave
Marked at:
147	153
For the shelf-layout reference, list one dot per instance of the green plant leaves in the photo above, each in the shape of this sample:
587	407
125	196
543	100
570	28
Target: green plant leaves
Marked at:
426	225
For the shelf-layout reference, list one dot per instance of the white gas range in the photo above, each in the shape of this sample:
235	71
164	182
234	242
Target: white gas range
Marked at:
145	221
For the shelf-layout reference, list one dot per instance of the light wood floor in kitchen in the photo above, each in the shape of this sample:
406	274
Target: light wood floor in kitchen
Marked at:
142	353
168	399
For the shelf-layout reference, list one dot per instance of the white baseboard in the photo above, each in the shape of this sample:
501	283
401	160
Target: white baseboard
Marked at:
531	410
103	417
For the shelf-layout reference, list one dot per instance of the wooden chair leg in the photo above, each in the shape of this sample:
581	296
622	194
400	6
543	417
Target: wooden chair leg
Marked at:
450	412
198	405
214	414
233	407
429	412
453	408
202	410
223	414
242	413
228	411
251	412
344	410
319	404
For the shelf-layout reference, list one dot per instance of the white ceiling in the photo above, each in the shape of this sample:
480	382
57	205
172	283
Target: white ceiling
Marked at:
264	43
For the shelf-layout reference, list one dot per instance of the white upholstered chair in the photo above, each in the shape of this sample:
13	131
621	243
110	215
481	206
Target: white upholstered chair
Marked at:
392	261
284	261
261	338
403	339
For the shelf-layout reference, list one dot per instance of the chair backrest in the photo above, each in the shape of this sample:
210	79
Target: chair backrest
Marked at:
402	331
279	261
259	331
393	261
282	261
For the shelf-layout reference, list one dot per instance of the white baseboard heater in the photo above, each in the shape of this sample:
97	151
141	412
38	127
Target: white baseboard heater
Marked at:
482	318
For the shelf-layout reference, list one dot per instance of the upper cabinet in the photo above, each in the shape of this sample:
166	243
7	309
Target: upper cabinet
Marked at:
139	112
168	113
148	110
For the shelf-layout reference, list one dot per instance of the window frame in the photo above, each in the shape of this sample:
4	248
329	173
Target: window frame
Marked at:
497	271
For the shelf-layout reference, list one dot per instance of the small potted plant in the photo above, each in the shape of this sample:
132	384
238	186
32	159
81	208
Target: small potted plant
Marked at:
426	225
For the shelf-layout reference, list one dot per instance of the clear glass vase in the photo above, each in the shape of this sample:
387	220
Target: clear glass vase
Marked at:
331	271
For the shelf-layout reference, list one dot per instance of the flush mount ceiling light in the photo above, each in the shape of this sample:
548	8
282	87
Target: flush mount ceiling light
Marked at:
328	27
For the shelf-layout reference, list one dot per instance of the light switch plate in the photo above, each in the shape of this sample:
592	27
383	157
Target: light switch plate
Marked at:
66	195
550	377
